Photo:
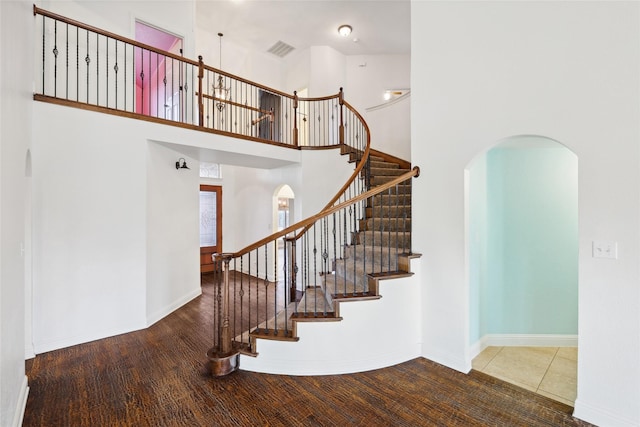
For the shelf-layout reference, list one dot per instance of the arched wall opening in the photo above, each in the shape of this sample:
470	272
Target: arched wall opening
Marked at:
522	243
283	216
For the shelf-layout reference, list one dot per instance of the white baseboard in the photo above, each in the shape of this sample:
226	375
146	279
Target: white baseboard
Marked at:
29	352
601	417
165	311
447	359
44	346
522	340
22	403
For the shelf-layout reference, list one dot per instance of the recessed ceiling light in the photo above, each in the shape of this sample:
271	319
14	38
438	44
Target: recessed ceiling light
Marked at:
344	30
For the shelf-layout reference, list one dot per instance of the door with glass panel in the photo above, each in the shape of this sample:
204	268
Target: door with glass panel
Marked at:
210	225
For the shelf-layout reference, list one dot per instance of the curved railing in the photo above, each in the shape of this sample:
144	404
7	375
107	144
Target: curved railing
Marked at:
324	257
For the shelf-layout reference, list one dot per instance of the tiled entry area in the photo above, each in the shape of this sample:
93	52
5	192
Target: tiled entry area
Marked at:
549	371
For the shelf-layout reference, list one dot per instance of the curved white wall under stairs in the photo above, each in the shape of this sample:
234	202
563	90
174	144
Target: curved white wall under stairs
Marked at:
371	335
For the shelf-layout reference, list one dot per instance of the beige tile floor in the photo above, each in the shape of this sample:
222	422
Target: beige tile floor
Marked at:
549	371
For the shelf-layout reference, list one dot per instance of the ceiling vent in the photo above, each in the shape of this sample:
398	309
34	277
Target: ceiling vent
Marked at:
280	49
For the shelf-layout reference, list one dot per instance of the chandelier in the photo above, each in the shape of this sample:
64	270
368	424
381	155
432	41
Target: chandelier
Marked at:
220	92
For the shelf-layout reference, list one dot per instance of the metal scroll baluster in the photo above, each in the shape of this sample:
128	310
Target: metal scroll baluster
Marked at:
97	69
107	76
336	250
67	62
87	60
324	244
266	288
77	64
55	58
115	69
315	266
44	33
149	111
275	285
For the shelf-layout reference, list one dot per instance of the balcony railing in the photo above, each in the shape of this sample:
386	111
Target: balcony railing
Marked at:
87	67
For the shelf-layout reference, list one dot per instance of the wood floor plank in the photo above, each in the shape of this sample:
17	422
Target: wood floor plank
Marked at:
158	377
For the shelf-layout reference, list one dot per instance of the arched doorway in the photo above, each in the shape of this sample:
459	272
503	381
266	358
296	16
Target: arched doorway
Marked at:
522	234
283	216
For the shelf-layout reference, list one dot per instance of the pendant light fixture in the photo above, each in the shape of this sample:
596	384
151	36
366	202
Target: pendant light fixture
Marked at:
220	92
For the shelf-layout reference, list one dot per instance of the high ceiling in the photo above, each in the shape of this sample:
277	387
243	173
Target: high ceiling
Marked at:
379	27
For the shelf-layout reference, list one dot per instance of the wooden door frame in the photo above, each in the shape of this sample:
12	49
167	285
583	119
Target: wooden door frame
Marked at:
217	189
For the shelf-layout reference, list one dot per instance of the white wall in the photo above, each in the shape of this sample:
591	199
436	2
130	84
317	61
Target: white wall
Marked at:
363	340
89	226
297	70
172	219
115	225
260	67
367	78
15	117
565	70
327	71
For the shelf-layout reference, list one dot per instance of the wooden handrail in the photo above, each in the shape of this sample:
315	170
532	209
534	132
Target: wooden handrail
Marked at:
415	172
38	11
360	165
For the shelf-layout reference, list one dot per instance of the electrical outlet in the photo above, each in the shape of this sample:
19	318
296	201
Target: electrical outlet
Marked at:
602	249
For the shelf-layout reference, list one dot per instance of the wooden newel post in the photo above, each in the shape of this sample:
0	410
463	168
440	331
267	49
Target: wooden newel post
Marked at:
295	118
292	268
223	357
200	101
341	101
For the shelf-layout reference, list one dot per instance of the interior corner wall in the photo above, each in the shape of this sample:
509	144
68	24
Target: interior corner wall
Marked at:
327	71
16	38
477	246
566	70
172	221
297	70
89	227
367	79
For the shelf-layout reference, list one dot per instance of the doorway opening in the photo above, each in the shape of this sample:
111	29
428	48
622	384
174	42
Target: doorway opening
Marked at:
210	226
283	216
522	251
159	79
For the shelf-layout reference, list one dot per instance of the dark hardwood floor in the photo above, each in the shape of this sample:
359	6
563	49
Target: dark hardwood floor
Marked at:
158	377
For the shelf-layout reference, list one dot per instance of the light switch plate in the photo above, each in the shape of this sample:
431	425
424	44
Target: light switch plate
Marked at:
605	249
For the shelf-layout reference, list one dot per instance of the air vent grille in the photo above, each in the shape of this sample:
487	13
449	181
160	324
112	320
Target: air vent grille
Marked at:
280	49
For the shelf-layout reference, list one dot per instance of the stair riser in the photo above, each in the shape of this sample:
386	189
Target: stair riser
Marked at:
379	180
390	199
386	224
387	172
385	257
400	240
386	165
357	275
389	212
403	191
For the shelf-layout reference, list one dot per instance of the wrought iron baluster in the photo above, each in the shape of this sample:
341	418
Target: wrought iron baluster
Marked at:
107	76
141	81
149	111
77	64
67	62
87	59
97	69
275	285
115	69
55	57
266	290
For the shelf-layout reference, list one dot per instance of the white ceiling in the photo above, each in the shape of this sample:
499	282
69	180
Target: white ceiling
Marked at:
380	26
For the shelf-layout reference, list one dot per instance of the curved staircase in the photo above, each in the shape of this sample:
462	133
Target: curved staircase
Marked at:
379	249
